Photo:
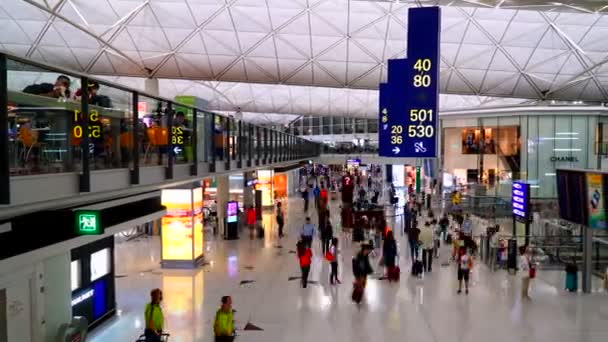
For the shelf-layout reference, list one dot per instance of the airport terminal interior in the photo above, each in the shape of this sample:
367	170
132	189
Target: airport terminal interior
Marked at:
301	170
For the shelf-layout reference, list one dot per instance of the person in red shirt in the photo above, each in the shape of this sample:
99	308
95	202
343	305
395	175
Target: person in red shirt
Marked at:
305	259
323	196
251	218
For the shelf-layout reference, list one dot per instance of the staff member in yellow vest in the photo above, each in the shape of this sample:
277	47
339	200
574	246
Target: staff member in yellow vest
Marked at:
223	326
153	315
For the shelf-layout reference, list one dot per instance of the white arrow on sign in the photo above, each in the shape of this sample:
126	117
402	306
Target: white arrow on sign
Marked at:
385	126
396	150
177	149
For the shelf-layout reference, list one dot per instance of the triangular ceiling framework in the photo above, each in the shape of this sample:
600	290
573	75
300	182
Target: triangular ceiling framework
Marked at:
377	32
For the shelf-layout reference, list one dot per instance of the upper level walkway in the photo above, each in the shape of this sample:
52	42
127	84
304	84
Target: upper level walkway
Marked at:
57	149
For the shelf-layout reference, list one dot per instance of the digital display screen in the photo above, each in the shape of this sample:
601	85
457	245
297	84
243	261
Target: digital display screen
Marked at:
571	192
596	201
353	162
232	211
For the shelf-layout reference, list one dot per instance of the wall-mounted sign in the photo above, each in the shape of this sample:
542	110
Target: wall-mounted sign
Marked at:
564	159
87	222
353	162
409	101
81	297
520	200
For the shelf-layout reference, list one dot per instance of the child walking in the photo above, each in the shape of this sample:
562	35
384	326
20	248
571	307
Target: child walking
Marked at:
332	257
465	264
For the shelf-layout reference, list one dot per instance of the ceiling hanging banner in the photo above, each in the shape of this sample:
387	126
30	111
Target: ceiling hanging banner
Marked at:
411	96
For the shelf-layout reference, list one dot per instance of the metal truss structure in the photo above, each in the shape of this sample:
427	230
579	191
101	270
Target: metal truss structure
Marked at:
318	57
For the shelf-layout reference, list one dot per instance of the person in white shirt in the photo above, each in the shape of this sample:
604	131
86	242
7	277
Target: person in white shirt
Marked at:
494	252
426	239
524	269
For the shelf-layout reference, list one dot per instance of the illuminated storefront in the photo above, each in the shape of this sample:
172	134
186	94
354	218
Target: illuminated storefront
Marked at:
493	149
264	184
182	227
280	185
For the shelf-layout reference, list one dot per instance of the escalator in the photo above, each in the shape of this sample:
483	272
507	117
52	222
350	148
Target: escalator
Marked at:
512	160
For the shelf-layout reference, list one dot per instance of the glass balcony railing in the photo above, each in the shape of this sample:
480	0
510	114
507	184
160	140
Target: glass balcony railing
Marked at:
57	121
350	148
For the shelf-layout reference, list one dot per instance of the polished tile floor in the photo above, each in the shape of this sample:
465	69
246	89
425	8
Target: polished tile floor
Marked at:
421	310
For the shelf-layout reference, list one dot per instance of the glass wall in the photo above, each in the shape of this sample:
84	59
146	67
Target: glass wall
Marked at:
153	118
203	145
360	125
493	151
316	125
556	141
338	125
113	110
182	131
45	125
326	125
348	126
56	122
372	126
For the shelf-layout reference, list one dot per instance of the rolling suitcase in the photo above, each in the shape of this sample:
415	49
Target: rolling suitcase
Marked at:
260	232
357	295
572	282
394	273
571	278
417	268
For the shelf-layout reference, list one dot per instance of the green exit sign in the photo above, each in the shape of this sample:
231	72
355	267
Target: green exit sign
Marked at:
88	222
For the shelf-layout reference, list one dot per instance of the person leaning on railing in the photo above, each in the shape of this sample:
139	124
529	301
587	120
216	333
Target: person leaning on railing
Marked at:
60	89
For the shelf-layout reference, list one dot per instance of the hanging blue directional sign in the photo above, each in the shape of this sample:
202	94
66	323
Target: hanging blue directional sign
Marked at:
408	118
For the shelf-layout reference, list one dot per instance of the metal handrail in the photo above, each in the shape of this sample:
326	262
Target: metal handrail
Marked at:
61	70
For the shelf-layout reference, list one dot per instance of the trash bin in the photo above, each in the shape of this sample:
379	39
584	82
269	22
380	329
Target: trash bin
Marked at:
572	277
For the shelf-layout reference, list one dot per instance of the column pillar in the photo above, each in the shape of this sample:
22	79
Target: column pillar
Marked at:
222	196
151	86
587	259
248	198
